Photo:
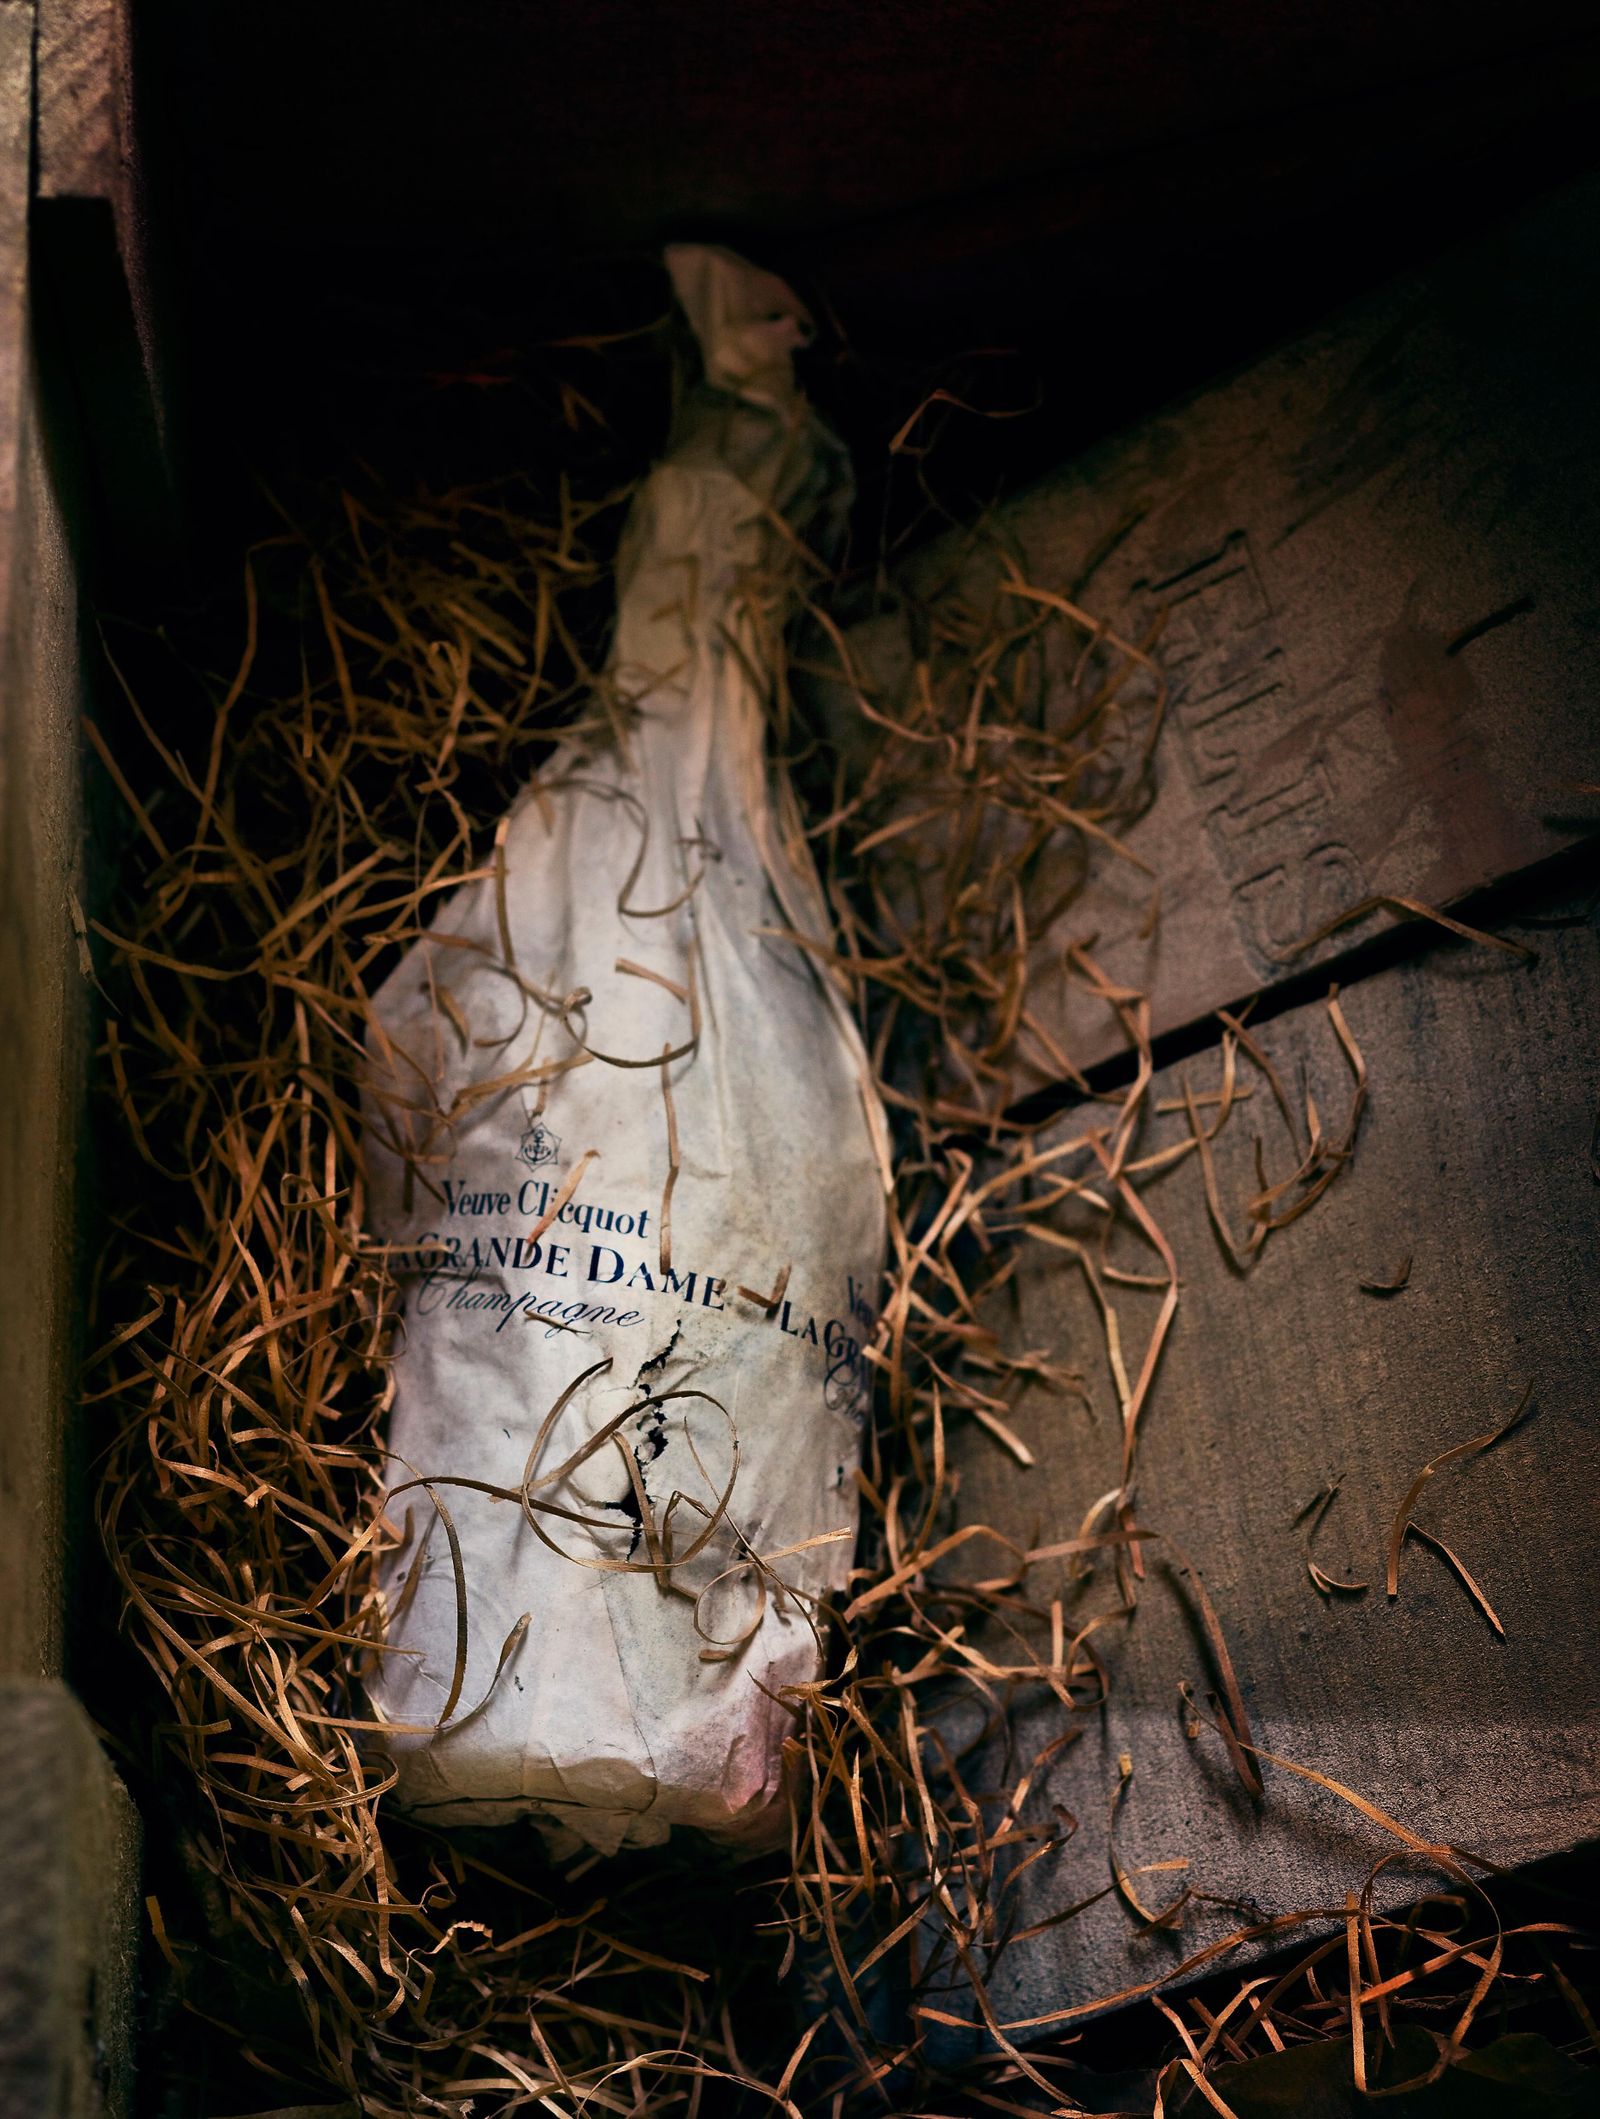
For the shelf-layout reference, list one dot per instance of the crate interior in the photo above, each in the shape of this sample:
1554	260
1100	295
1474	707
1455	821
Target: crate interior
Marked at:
351	227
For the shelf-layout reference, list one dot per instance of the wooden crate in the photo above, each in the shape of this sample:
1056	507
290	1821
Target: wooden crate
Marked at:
1375	557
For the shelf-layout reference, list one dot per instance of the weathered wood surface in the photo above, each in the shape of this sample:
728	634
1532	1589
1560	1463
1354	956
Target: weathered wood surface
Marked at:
69	1863
69	1956
1474	1159
16	128
626	126
1374	560
41	1016
81	63
92	244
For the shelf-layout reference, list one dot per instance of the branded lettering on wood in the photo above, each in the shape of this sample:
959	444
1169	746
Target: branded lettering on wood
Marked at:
1371	565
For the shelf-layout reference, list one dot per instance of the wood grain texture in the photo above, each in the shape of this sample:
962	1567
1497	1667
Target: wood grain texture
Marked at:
40	995
16	131
69	1946
80	70
94	238
1373	565
1474	1161
43	1040
69	1867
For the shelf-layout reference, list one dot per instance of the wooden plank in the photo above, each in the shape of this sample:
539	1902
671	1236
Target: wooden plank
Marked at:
81	76
1474	1160
40	990
69	1868
92	251
623	124
69	1946
1375	561
16	128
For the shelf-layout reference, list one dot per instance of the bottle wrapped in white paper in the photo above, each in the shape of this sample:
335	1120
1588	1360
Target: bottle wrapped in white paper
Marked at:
618	1027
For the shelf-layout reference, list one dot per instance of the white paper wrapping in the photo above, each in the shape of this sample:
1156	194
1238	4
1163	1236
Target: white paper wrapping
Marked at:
637	913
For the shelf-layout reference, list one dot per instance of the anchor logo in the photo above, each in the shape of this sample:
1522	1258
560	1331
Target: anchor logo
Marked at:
538	1145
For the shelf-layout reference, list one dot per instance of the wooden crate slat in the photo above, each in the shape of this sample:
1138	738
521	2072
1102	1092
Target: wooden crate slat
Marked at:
1474	1161
1375	560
